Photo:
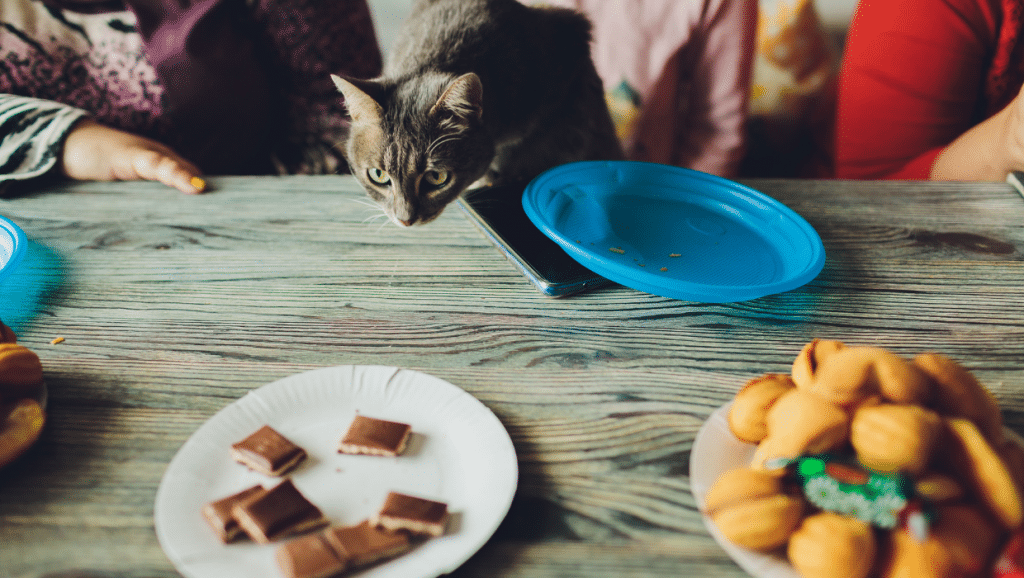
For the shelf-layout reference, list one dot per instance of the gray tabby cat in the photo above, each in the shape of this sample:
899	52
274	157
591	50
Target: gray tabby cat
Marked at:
475	91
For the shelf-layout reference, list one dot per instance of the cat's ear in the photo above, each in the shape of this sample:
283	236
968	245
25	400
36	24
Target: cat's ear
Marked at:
361	106
464	98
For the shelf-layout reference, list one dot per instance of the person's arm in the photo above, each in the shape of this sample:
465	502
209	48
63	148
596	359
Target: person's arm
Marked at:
40	136
911	83
987	152
32	133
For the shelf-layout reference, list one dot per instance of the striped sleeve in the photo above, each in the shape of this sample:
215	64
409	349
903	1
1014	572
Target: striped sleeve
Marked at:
32	133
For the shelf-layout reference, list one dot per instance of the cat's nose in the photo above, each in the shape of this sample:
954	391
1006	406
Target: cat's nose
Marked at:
405	222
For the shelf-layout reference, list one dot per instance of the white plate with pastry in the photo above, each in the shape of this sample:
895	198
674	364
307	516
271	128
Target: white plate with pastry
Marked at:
715	451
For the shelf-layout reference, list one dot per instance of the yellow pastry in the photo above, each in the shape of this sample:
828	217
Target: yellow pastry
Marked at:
938	488
750	509
799	423
959	544
20	426
854	374
7	334
891	437
830	545
957	392
21	372
806	364
750	406
985	470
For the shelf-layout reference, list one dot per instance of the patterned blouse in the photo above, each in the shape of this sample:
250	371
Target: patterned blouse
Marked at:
57	66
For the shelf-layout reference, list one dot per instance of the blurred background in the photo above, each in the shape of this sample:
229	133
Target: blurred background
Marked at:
792	99
388	14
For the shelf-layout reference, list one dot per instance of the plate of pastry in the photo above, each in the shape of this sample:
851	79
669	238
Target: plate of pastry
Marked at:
860	459
373	471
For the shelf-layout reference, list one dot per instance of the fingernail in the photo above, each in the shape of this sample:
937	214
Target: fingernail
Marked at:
198	183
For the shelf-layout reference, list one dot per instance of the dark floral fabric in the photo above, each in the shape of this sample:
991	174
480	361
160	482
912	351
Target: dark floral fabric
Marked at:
97	62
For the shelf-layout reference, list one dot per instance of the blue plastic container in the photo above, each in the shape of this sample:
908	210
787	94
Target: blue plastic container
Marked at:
12	246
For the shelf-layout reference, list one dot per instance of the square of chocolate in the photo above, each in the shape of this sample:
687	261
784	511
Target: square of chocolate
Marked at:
309	557
365	544
218	513
415	515
375	437
268	452
277	513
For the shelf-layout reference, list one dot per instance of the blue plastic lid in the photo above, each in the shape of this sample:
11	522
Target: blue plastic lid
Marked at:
674	232
12	246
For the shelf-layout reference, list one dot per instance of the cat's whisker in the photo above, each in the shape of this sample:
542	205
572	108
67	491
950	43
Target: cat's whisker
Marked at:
369	205
362	200
372	218
441	141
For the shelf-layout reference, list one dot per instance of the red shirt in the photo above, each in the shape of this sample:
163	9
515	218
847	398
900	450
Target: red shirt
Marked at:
917	74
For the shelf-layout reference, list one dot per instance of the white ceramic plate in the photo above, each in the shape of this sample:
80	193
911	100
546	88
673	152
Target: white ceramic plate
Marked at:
715	451
459	454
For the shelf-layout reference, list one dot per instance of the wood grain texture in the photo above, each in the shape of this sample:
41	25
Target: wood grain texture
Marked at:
174	306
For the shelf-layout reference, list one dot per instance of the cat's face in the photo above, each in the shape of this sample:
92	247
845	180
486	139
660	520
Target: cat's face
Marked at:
416	146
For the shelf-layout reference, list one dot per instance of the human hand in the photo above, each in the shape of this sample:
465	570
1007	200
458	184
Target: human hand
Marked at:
96	152
1014	131
987	151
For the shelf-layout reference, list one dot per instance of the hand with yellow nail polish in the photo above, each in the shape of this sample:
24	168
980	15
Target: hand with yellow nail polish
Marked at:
96	152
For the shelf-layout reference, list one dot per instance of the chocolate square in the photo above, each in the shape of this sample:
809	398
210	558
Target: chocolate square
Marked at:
268	452
416	515
220	518
279	512
364	544
375	437
309	557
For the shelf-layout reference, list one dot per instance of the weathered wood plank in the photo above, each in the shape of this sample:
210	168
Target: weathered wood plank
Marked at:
173	306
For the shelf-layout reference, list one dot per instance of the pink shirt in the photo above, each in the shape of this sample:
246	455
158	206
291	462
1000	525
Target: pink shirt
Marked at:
687	64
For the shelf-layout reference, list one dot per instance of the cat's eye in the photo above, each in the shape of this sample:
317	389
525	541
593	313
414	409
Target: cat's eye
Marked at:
436	177
378	176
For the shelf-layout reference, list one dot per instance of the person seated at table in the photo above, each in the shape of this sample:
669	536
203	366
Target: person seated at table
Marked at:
105	89
677	76
931	89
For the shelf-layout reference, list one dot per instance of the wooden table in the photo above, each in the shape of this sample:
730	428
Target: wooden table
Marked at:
173	306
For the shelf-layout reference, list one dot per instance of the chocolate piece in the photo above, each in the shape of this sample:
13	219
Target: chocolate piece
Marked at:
309	557
219	515
375	437
364	544
268	452
416	515
278	513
